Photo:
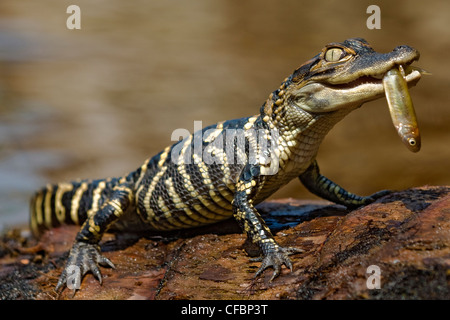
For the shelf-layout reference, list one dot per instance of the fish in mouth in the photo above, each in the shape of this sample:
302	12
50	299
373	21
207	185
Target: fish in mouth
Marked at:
338	77
401	106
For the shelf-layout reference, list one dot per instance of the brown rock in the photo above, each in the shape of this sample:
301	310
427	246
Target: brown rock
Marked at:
405	236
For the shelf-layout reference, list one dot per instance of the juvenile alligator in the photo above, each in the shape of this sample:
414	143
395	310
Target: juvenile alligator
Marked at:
225	169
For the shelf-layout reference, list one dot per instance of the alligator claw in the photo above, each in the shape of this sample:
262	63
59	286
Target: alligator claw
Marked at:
83	257
375	196
276	258
380	194
369	199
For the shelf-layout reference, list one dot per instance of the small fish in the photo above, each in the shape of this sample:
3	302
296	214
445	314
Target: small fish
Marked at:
401	108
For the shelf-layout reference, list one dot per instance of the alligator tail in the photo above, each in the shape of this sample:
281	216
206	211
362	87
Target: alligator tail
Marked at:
68	203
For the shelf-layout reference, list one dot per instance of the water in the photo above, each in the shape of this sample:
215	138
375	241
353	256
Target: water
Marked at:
98	101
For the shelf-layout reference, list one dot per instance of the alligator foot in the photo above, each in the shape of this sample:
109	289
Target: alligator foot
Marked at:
275	258
369	199
83	257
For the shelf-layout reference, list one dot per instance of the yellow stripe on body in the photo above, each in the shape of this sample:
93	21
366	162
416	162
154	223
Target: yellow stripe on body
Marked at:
118	210
141	176
219	153
250	122
219	125
36	213
226	179
150	213
211	216
213	134
47	206
138	184
38	208
60	210
76	202
217	201
96	197
194	218
169	219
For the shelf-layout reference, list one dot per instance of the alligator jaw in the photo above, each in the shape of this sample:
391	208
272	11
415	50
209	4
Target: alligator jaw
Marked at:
318	97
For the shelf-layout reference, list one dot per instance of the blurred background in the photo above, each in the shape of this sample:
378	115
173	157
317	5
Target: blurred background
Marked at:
97	102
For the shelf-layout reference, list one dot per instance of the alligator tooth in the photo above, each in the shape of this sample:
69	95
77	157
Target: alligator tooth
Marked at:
401	107
377	76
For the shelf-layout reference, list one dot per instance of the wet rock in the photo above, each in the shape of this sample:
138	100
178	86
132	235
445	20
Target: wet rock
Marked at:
395	248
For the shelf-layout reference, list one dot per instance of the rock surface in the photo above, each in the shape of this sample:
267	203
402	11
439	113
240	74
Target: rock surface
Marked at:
404	237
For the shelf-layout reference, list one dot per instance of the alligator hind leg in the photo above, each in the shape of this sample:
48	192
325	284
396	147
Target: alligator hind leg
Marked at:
327	189
85	254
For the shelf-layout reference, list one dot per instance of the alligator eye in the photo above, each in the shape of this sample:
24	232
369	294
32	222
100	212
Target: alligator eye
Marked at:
334	54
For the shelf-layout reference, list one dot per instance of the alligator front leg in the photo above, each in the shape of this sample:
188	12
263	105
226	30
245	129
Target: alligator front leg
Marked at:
256	229
327	189
85	254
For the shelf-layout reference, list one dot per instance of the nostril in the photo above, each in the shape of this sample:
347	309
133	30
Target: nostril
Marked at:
403	47
406	52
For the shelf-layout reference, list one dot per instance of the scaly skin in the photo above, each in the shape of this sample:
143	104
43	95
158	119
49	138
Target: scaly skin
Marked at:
182	188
